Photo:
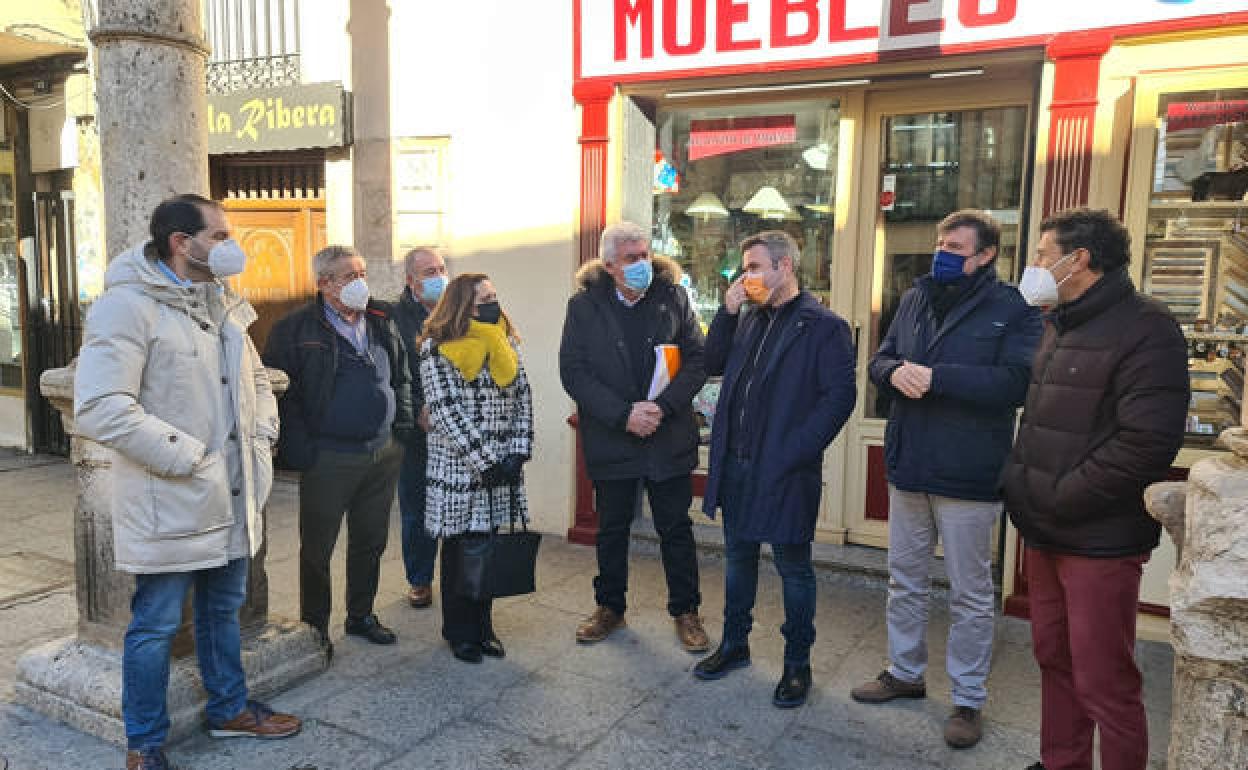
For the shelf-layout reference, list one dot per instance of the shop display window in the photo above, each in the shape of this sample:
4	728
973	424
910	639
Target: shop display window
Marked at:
10	292
1195	248
723	174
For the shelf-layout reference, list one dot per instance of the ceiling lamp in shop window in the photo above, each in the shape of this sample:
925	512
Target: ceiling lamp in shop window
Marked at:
816	156
707	206
768	203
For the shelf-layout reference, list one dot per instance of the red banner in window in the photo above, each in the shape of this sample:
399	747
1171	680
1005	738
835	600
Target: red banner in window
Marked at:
1183	115
721	136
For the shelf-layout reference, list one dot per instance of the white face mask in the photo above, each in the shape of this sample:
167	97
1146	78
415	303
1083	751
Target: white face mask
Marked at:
1038	286
355	295
225	259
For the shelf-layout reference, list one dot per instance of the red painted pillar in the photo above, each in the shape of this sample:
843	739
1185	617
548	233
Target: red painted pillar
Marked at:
1076	57
594	97
1072	117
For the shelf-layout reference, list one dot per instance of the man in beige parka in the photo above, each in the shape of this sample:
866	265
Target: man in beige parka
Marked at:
168	378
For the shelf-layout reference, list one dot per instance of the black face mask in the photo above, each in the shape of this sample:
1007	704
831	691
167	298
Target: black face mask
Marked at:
489	313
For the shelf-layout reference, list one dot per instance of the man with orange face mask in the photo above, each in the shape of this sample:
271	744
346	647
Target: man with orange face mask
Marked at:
788	387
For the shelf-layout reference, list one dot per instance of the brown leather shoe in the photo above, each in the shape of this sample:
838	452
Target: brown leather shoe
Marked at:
692	634
146	759
599	625
257	721
886	687
420	596
964	727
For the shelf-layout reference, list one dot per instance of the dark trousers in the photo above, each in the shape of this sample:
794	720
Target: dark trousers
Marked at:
793	563
463	619
419	548
616	502
1083	614
361	486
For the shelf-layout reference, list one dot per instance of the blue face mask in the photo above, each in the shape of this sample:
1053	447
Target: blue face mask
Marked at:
947	266
431	288
638	275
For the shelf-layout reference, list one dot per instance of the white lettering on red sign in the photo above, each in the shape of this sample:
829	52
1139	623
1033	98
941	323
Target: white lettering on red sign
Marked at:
723	136
628	37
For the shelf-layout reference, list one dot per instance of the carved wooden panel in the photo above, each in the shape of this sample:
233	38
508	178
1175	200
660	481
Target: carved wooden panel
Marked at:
279	239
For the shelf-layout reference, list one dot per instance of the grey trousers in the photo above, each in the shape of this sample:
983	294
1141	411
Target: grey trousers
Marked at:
965	530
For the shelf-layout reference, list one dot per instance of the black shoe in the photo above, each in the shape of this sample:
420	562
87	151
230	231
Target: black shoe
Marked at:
371	629
322	634
493	647
1037	766
793	687
468	652
721	662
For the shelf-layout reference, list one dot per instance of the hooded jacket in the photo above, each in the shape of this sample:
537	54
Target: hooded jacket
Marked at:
169	379
598	372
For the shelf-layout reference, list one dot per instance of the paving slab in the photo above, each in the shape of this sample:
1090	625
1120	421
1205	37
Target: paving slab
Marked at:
625	751
464	744
564	708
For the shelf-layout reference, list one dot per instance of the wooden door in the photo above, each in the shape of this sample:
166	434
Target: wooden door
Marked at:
925	154
279	237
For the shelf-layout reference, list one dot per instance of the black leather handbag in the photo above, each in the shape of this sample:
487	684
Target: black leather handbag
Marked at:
498	564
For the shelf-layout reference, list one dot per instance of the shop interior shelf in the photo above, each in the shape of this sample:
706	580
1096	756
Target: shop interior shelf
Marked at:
1216	336
1178	203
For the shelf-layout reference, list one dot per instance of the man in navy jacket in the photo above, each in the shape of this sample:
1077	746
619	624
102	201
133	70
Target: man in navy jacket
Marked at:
956	361
788	387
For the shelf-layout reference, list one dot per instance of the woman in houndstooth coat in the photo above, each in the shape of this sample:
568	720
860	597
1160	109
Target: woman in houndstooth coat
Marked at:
480	436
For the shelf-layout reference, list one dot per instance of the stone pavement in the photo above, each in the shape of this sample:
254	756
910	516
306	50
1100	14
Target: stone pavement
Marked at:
629	702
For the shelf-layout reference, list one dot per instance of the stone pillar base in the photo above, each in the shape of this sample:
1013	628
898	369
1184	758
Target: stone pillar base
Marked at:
79	683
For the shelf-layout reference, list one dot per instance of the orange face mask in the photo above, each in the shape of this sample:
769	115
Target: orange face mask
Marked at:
756	289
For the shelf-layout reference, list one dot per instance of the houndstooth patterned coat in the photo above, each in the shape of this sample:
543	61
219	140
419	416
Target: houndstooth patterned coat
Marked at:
473	425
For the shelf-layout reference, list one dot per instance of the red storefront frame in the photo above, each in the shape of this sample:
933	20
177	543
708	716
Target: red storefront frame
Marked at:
1076	56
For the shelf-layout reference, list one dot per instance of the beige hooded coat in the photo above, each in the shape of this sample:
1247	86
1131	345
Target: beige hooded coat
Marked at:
168	378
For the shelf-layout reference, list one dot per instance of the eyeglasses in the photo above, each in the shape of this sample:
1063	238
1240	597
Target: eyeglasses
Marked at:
349	277
636	255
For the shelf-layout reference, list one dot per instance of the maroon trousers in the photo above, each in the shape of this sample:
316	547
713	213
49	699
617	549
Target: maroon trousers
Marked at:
1083	631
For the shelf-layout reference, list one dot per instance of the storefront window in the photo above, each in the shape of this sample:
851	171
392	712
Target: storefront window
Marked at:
722	174
1196	245
10	296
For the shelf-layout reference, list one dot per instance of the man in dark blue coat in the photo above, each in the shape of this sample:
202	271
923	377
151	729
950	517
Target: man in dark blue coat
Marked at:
788	387
426	278
956	362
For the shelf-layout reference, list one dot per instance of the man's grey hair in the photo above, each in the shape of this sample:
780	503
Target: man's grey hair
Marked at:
410	259
779	245
325	259
617	235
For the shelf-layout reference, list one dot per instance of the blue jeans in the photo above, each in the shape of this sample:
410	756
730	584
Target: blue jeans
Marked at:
156	613
797	576
419	549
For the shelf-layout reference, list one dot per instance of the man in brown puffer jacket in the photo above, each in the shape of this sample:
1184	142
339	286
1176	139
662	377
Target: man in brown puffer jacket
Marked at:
1103	419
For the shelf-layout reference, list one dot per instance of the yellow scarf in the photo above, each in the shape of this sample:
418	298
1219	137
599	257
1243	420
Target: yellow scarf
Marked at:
483	342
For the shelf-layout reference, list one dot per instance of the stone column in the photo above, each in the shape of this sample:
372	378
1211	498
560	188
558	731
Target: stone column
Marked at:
151	107
152	115
77	680
1208	518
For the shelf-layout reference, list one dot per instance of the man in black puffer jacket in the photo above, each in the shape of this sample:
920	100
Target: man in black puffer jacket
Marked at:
635	431
1104	418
